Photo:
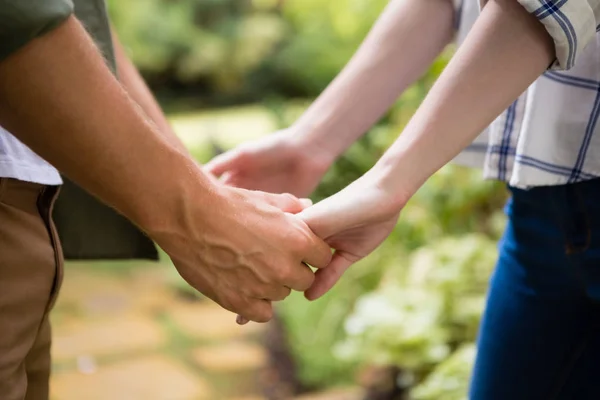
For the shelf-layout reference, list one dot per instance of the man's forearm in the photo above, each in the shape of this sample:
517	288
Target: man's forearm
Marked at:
104	143
135	85
505	52
402	44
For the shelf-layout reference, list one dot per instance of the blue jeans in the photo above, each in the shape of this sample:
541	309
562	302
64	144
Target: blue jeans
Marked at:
540	335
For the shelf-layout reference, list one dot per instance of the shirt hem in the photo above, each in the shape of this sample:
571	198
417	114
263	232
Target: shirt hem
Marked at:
43	175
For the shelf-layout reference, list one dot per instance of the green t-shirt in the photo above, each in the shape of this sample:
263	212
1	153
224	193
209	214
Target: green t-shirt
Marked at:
87	228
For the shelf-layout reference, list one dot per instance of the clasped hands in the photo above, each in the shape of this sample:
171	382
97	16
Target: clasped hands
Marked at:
352	223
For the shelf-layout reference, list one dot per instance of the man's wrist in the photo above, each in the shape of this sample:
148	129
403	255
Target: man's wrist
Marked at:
185	192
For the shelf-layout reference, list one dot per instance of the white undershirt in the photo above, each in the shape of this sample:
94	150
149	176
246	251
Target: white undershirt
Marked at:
17	161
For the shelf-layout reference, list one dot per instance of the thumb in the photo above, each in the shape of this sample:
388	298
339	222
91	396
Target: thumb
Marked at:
326	278
324	218
287	202
222	163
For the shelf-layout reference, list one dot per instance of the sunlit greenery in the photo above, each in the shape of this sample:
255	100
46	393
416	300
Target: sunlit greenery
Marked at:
416	302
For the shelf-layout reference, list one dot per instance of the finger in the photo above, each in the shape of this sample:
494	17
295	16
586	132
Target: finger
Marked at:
324	217
326	278
256	310
279	293
269	292
229	178
287	202
221	163
275	294
300	278
305	203
317	253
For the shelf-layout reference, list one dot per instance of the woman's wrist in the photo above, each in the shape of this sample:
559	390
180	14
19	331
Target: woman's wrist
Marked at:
399	173
315	150
394	192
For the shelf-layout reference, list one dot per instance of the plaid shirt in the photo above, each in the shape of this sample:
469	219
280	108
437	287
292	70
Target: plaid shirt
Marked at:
550	135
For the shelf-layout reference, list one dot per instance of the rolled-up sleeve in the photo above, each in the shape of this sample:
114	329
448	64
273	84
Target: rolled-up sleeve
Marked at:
571	24
24	20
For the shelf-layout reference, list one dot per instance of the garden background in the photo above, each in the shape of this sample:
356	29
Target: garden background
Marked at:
400	324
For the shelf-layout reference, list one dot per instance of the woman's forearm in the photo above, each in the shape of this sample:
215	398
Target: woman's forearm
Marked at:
505	52
402	44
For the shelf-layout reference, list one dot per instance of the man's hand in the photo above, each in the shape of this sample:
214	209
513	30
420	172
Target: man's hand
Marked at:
237	247
244	252
354	222
276	164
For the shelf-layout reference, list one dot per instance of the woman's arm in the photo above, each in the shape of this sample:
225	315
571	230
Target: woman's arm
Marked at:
402	44
504	53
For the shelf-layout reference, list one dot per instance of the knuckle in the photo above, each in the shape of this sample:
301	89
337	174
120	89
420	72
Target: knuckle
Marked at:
234	304
289	197
325	255
282	273
243	154
303	245
284	294
308	280
263	313
267	314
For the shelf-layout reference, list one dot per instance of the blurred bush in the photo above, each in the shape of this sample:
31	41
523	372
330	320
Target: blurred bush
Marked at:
416	302
242	50
416	299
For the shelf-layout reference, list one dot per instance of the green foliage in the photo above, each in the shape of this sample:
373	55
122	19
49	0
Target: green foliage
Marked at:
449	381
242	49
415	299
418	298
423	309
315	327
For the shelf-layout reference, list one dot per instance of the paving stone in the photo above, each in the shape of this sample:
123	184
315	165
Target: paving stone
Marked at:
209	321
149	378
231	357
106	336
337	394
91	292
97	293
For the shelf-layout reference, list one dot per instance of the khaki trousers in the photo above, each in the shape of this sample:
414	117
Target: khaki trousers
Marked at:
30	276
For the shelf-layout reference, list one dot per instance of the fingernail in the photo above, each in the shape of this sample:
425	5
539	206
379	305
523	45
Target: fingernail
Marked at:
241	320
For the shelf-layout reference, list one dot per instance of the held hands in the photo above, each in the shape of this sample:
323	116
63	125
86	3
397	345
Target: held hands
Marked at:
354	221
245	249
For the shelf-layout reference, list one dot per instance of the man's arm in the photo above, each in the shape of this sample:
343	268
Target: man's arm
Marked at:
237	247
404	41
137	89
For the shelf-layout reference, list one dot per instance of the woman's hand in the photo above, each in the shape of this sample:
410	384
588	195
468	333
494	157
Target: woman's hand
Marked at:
354	222
277	163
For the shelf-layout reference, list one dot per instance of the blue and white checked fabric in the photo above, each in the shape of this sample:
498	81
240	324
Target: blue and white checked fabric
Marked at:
550	135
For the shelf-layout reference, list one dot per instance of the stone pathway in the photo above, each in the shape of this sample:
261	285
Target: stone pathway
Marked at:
123	333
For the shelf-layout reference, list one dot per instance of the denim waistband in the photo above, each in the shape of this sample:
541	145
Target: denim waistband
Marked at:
573	209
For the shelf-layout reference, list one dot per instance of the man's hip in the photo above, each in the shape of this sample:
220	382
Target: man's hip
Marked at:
30	276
